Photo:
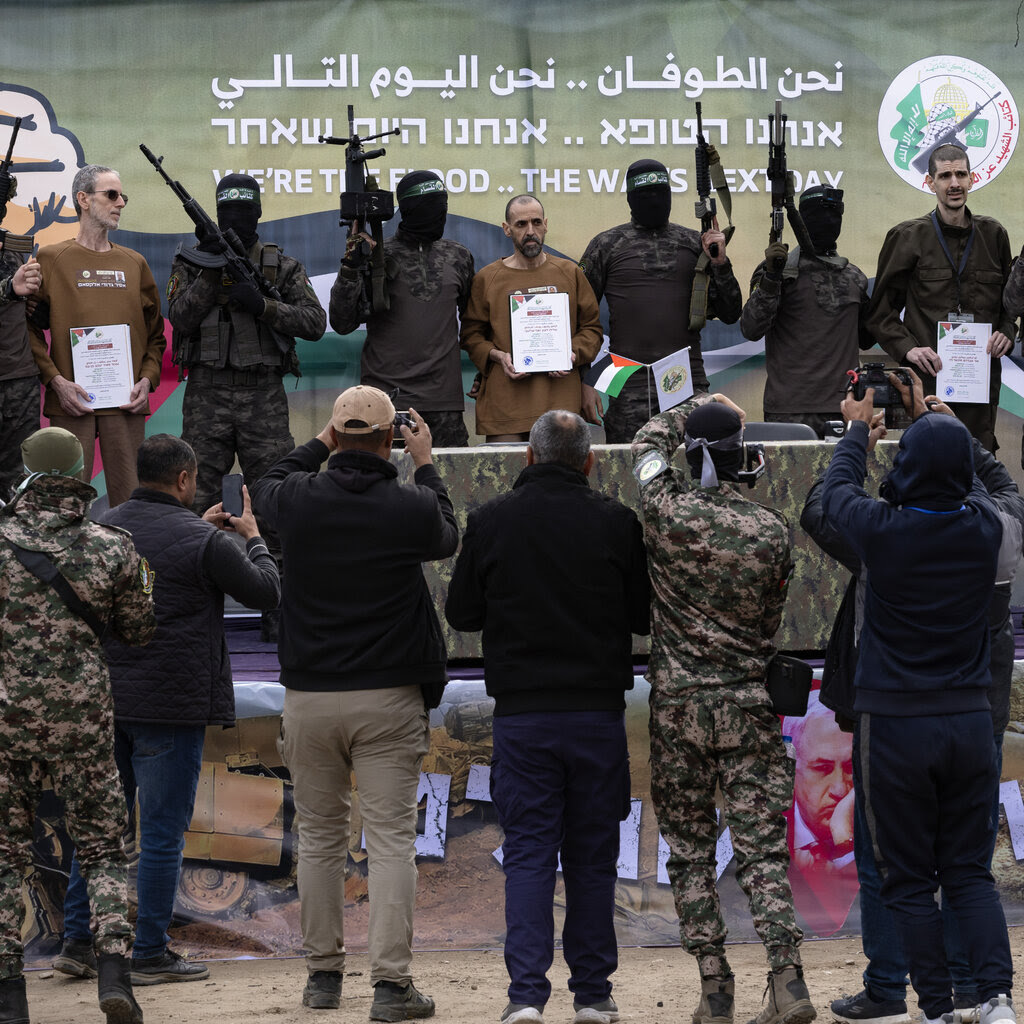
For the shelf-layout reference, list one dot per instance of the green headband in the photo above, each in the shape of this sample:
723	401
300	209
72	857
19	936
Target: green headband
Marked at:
424	188
646	178
237	195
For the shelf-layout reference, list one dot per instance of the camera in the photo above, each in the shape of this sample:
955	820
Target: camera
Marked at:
403	419
373	204
876	375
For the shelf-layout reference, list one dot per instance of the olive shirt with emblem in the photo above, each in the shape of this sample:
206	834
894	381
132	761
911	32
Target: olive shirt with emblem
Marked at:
85	288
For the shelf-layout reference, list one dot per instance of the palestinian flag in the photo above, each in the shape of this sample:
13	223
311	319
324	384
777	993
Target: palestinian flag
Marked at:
610	373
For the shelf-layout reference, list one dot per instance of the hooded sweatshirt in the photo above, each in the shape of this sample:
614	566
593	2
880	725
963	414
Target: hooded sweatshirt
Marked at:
930	548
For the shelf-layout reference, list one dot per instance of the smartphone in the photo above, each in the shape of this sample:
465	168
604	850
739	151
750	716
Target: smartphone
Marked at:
231	494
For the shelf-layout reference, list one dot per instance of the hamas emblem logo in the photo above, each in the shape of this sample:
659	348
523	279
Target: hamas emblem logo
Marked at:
947	99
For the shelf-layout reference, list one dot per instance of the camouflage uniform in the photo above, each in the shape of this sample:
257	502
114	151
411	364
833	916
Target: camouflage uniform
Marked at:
719	564
414	345
813	321
235	400
19	378
57	711
646	277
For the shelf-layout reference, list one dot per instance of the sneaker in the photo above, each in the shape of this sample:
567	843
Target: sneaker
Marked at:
966	1006
520	1013
789	1002
717	998
167	966
862	1009
596	1013
323	990
393	1002
998	1008
77	959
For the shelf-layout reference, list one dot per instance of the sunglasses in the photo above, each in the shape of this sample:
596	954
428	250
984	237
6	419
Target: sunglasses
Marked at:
110	193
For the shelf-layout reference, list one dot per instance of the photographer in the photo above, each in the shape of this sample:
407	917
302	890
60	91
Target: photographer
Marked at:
361	652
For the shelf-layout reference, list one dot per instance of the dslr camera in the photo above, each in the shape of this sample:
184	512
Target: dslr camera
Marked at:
876	375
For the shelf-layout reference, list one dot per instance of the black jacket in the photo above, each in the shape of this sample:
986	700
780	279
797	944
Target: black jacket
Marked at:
555	574
356	612
184	676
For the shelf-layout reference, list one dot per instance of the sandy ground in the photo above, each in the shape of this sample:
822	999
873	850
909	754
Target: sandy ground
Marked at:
653	986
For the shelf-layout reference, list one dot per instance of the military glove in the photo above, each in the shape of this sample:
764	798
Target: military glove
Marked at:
775	257
247	298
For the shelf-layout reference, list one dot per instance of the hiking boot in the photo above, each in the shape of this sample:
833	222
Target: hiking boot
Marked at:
13	1001
115	989
862	1009
997	1008
323	990
716	1001
166	966
595	1013
788	999
522	1013
76	958
393	1002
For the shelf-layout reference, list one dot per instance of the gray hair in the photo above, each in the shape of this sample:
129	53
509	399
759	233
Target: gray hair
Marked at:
561	436
517	201
85	181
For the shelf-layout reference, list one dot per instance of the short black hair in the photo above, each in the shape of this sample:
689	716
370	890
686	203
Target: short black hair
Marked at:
516	200
948	151
162	458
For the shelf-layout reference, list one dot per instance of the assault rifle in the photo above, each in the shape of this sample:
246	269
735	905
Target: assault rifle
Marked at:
920	162
704	208
363	203
9	241
231	254
782	185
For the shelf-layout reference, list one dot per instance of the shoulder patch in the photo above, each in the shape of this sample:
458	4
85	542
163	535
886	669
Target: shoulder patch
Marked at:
651	465
172	285
147	576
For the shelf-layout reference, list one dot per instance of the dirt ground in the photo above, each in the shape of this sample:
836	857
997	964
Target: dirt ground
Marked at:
653	986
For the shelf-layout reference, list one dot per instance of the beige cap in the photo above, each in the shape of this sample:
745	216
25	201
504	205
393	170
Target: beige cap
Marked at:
362	410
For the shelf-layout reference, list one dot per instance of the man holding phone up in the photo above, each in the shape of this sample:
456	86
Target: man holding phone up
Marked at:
167	694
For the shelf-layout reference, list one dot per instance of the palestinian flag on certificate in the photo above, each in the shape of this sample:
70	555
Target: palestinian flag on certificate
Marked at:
608	374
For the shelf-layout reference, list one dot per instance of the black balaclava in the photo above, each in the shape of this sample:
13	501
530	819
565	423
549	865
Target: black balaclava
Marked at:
648	193
423	204
714	443
239	206
821	209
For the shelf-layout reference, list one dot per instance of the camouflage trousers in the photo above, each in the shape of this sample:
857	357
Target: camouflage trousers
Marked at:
222	420
711	740
19	417
96	819
447	428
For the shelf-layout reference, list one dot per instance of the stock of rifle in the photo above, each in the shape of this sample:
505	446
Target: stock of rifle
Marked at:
704	208
233	255
783	204
364	203
8	240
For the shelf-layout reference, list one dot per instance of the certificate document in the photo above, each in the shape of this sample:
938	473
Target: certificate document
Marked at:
102	362
541	338
966	366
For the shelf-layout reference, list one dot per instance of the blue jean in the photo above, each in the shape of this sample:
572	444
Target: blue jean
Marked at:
163	763
885	976
560	783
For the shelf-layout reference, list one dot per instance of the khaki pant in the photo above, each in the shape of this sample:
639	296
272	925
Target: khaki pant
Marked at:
120	435
382	736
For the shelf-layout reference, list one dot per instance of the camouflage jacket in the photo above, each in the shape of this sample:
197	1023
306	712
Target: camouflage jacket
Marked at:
192	293
9	263
55	699
719	565
1013	293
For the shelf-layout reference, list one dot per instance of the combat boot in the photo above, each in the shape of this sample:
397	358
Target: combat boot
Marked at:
115	988
789	1002
716	1001
13	1001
